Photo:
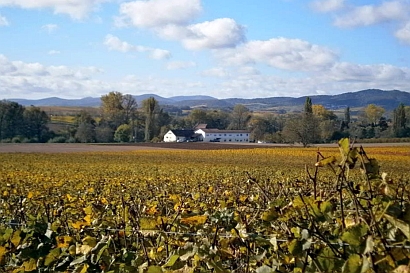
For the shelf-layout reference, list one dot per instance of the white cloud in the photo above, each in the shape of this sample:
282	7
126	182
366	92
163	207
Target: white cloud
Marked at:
223	72
341	78
159	54
218	72
116	44
35	80
159	13
282	53
403	34
248	70
3	21
382	73
53	52
220	33
77	9
50	28
20	79
180	65
171	19
327	5
373	14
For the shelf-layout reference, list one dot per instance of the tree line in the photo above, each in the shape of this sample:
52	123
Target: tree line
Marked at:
18	123
122	119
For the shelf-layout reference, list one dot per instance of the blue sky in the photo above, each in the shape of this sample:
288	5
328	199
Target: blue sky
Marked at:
221	48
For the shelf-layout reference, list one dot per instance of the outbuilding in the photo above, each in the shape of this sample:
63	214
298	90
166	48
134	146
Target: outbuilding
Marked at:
180	136
216	135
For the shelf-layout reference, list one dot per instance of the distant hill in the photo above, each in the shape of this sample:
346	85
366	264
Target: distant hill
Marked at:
387	99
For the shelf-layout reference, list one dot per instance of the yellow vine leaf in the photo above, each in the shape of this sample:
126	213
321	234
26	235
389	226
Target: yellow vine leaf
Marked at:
87	219
79	224
15	239
63	241
195	220
30	265
88	210
153	210
84	269
104	201
3	251
69	197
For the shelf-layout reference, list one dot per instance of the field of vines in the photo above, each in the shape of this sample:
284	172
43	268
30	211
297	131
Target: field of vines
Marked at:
343	209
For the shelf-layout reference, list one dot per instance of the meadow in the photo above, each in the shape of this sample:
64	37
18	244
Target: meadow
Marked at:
242	210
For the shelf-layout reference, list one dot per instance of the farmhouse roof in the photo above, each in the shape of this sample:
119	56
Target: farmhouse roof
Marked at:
183	133
201	126
217	131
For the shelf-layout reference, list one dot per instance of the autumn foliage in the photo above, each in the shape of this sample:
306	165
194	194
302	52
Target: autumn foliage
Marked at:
255	210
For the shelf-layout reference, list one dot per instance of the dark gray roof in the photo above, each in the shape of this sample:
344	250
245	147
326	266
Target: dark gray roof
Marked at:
183	133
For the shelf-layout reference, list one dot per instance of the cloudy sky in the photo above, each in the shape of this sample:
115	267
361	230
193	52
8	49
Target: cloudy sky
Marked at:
221	48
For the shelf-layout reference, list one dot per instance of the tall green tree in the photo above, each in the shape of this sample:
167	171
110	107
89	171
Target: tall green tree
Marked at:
259	127
130	108
118	109
150	107
123	133
239	117
84	117
399	121
85	127
373	113
11	119
197	116
218	119
308	106
303	128
85	133
347	116
407	111
35	121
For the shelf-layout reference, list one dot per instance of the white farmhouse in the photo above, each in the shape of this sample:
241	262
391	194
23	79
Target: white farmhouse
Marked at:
216	135
180	136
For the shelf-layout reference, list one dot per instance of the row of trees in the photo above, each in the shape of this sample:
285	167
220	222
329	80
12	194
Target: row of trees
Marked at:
18	123
121	119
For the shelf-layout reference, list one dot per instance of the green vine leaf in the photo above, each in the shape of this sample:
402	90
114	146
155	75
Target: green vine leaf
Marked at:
154	269
403	226
326	161
264	269
354	235
171	261
353	264
295	247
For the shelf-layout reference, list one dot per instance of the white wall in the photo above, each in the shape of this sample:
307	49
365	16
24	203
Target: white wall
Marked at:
225	136
170	137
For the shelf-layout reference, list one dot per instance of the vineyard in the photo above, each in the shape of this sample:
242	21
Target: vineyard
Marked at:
261	210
